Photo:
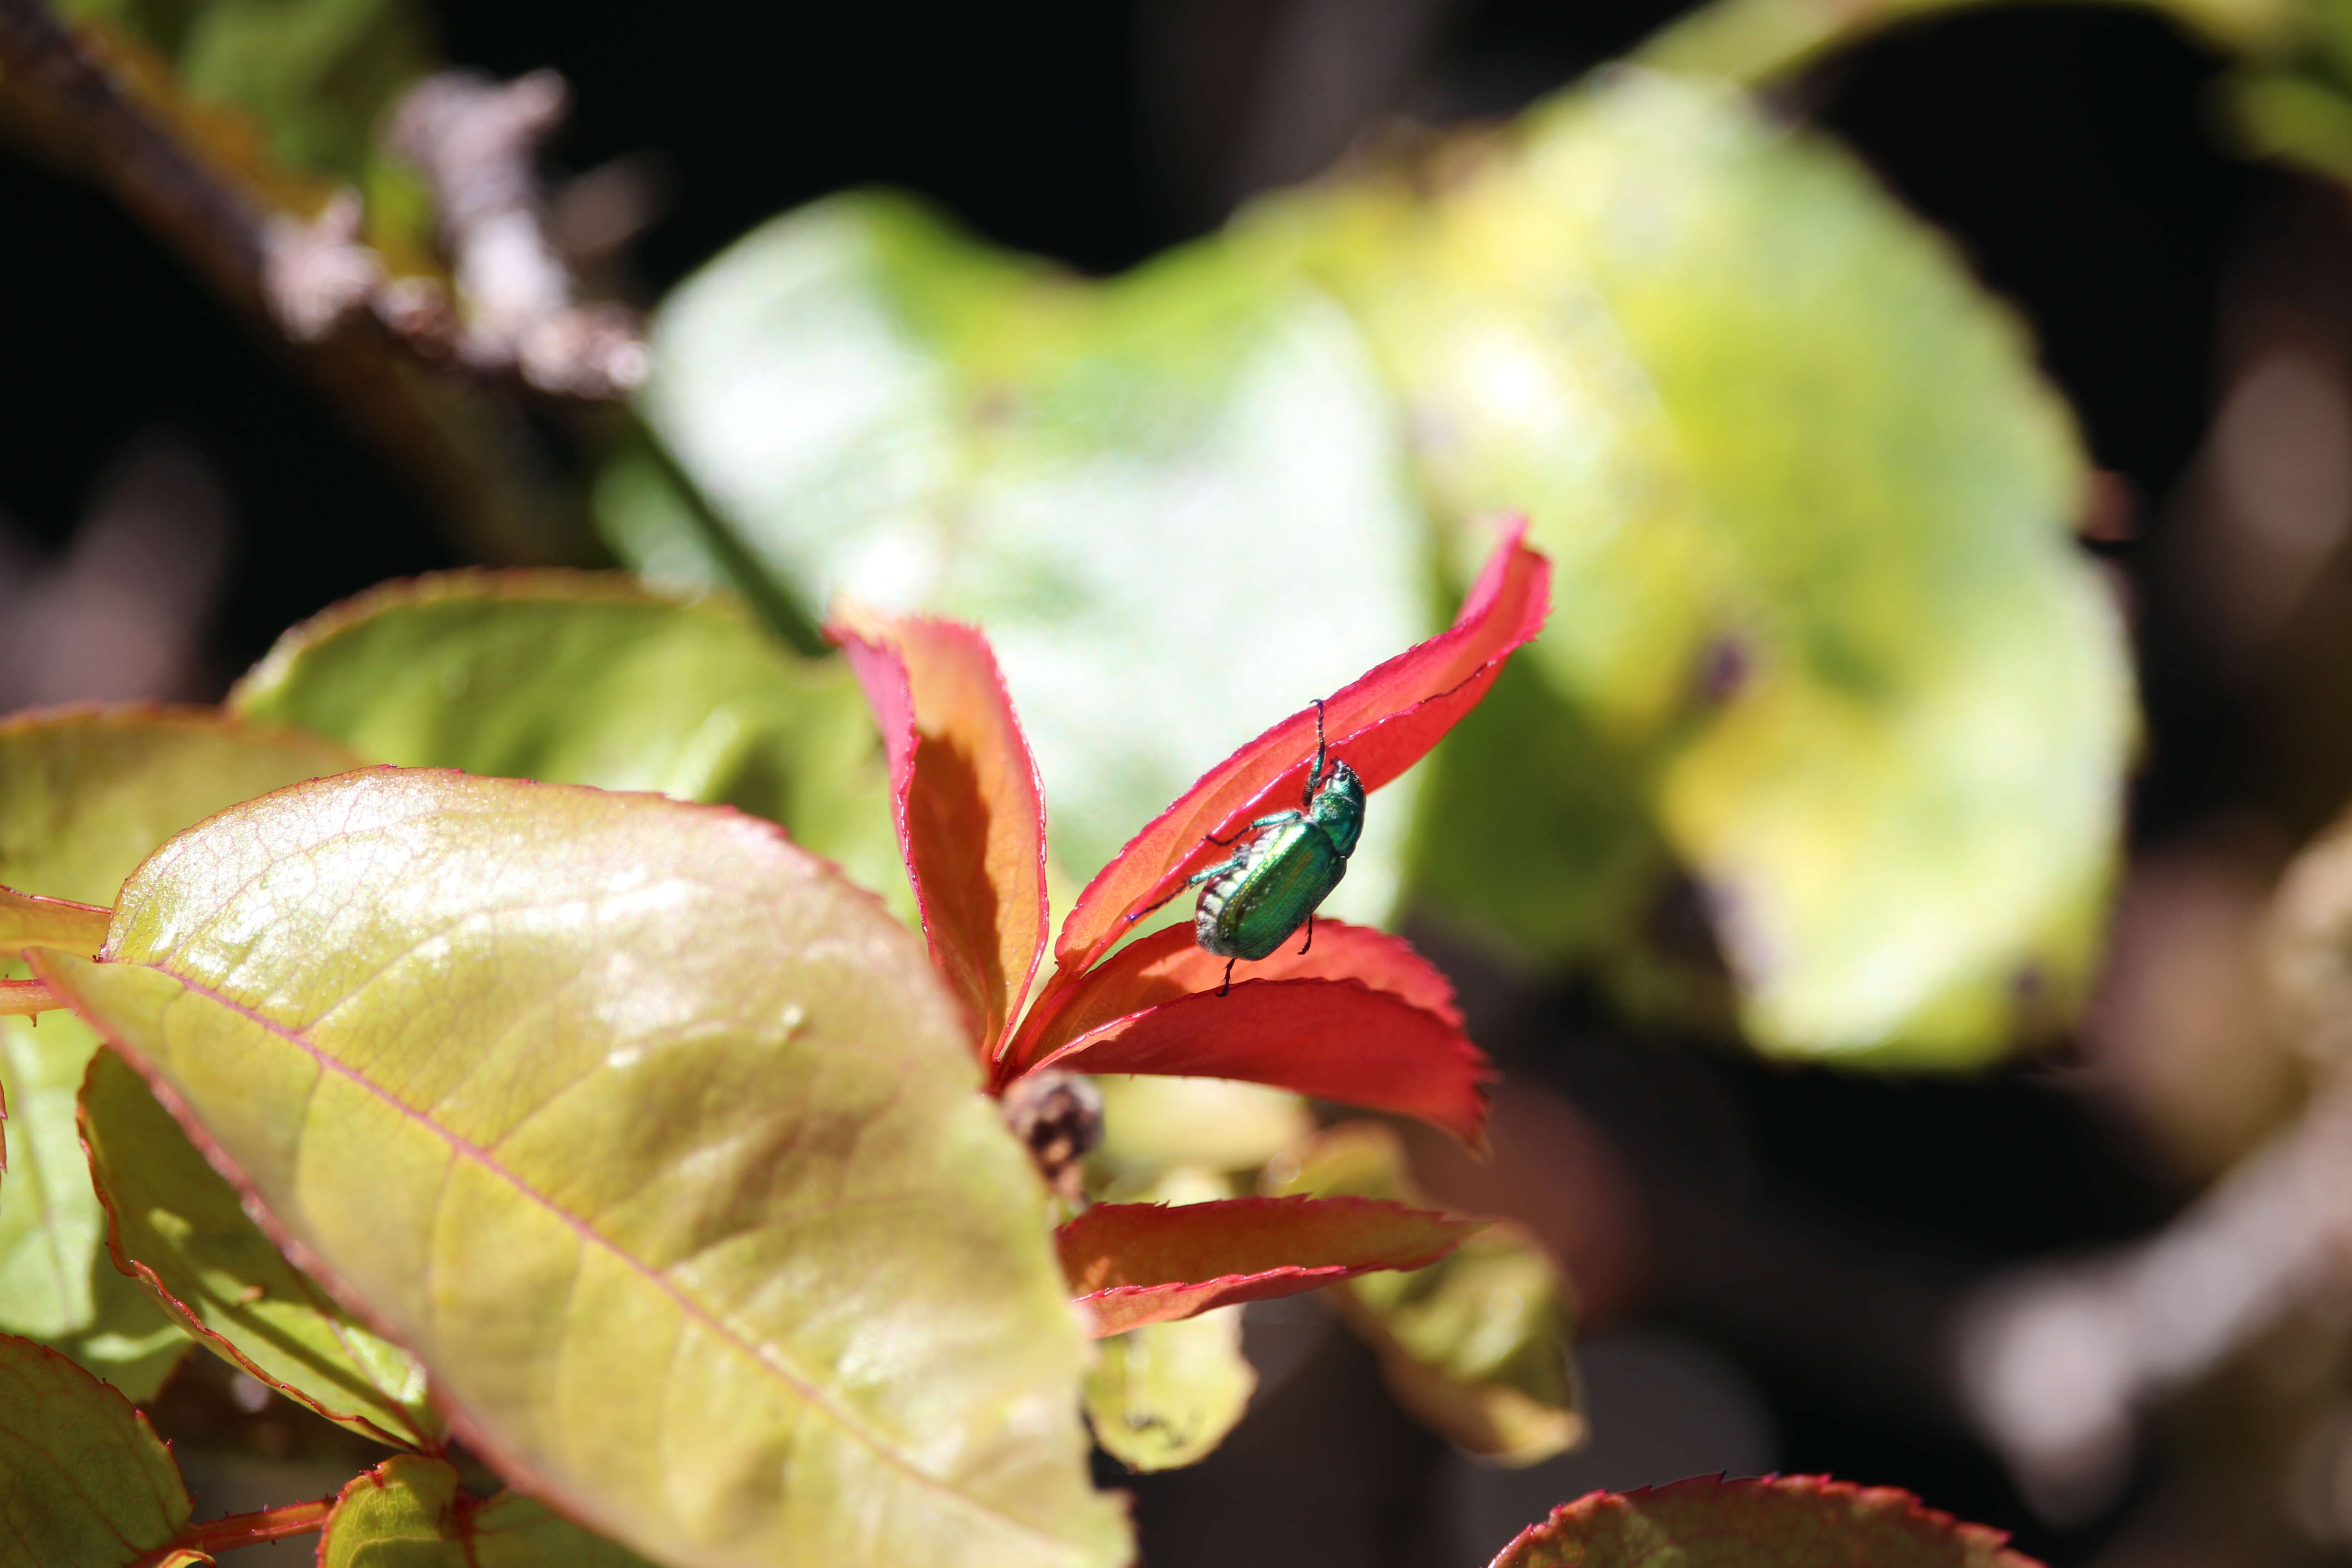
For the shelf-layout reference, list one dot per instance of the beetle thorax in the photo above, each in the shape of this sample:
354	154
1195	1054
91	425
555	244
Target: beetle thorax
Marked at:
1337	808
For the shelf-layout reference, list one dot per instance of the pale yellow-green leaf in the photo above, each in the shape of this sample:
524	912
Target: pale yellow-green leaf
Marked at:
1153	1123
180	1227
653	1139
1810	506
1475	1344
1173	500
408	1512
84	797
1164	1395
585	677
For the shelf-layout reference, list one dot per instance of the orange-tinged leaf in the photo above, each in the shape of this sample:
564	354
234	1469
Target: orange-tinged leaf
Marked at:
971	815
29	920
1170	963
652	1137
1333	1039
1379	725
1773	1522
1131	1264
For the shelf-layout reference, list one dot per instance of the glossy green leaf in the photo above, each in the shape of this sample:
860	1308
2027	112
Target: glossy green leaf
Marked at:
179	1229
408	1512
1810	508
576	677
656	1139
84	797
84	1482
1173	500
1780	1521
1476	1343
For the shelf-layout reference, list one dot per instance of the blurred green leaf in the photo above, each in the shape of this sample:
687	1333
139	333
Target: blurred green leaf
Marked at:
1777	1521
179	1226
314	76
84	797
1810	504
574	678
407	1512
1164	1395
659	1143
1476	1343
1175	501
1152	1124
84	1483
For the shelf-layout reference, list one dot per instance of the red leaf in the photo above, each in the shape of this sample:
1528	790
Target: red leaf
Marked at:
1131	1264
972	816
1773	1522
1171	963
1333	1039
1379	725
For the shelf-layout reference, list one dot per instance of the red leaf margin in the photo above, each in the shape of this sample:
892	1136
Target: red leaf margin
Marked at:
1133	1264
1170	965
1828	1524
1383	723
1331	1039
959	761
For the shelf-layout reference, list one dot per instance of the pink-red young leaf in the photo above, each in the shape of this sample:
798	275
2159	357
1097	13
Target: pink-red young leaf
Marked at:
1379	725
1170	963
1772	1522
971	815
1131	1264
28	920
1333	1039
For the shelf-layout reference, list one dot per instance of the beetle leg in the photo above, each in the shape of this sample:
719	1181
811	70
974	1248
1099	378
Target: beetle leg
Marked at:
1234	865
1310	935
1197	878
1228	985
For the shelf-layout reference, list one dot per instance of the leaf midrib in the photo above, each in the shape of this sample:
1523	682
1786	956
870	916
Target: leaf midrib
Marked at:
723	1331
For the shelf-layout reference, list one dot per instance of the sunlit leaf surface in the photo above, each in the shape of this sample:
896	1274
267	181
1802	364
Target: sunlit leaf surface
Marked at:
84	1483
1476	1343
656	1141
179	1228
1787	1521
408	1512
84	797
1164	1395
578	678
1810	508
1174	500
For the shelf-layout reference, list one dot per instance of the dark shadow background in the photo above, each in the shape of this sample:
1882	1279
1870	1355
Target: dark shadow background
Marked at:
2069	152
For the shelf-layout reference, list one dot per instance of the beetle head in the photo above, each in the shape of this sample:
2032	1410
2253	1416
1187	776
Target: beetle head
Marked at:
1338	806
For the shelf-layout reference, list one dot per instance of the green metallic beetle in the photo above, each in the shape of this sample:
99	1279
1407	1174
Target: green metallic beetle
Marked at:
1285	869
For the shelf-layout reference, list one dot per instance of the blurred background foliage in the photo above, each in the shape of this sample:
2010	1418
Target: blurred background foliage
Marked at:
1944	437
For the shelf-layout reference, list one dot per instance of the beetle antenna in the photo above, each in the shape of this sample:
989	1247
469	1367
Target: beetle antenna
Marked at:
1315	776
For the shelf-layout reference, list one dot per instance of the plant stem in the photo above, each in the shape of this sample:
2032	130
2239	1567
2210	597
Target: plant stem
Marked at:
258	1528
23	998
